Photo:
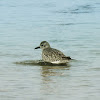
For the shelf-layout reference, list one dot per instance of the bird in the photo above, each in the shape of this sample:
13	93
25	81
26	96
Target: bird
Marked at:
52	55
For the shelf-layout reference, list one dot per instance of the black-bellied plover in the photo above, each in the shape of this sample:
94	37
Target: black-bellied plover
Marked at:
52	55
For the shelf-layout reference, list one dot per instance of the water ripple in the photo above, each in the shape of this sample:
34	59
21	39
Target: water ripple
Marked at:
39	62
79	9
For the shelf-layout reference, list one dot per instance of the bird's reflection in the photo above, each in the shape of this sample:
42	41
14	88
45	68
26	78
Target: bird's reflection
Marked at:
53	70
48	69
50	74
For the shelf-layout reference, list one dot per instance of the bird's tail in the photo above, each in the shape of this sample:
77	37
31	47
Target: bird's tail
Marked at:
68	58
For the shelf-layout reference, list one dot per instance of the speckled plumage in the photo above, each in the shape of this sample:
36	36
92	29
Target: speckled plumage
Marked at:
52	55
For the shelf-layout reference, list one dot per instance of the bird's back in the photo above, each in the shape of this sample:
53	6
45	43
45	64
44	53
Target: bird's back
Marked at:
54	56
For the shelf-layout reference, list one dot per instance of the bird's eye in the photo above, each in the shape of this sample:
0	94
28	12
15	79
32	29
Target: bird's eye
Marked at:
41	45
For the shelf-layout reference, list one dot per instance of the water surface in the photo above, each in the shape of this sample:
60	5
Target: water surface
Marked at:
72	26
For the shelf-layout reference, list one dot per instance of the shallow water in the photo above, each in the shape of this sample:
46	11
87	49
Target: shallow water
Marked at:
72	26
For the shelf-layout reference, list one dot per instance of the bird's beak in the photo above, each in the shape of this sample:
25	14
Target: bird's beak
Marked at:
37	47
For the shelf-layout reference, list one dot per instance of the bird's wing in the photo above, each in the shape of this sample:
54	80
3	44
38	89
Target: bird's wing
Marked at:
59	54
54	52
